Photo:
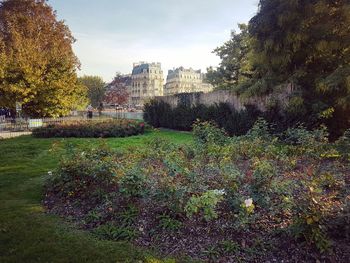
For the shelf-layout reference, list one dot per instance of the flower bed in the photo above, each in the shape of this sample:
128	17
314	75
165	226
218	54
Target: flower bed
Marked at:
93	128
253	198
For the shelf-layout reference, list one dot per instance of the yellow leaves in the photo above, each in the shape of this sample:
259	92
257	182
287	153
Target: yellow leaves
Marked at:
326	114
312	219
296	105
40	65
309	221
322	45
150	259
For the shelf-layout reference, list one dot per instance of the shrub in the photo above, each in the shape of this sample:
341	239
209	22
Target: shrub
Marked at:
87	174
93	128
205	203
263	175
117	233
182	117
343	145
133	183
267	187
169	223
206	132
312	143
309	218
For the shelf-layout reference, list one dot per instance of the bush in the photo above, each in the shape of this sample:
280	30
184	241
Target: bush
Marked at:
88	174
205	203
132	184
93	128
160	114
310	213
206	132
215	187
343	145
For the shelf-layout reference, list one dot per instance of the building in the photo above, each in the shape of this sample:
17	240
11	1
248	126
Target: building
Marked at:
183	80
147	82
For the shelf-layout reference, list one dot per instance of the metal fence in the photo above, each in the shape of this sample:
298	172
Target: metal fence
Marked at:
125	115
10	128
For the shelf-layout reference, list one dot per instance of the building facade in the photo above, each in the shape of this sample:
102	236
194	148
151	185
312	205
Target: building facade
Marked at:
147	82
183	80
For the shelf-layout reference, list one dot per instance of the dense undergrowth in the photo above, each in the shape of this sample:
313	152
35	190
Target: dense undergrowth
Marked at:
256	197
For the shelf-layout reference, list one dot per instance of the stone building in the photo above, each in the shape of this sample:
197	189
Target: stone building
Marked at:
183	80
146	82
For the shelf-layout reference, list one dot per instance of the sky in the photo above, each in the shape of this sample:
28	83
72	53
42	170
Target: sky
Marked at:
113	34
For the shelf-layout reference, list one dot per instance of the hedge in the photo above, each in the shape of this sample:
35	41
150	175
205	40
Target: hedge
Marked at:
160	114
182	117
91	128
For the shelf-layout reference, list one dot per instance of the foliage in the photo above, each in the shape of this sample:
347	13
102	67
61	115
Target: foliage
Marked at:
309	142
205	203
256	185
343	145
169	223
24	161
309	218
206	132
183	116
234	66
96	89
132	184
295	46
264	173
87	174
117	92
92	128
117	233
38	66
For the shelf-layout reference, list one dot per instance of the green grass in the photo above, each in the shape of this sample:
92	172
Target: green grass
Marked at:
27	233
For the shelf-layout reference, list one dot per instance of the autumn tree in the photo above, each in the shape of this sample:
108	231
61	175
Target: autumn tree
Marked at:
117	92
37	63
96	89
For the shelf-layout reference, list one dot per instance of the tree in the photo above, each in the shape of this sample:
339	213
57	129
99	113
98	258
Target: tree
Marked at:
306	44
303	45
234	66
117	92
38	66
96	89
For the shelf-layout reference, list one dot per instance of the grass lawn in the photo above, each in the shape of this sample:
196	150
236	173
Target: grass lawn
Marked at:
27	234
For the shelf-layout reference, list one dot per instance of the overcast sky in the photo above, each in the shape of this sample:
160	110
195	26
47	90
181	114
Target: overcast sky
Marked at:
112	34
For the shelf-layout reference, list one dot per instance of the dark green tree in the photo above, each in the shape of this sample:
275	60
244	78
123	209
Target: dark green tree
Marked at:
305	44
235	65
299	45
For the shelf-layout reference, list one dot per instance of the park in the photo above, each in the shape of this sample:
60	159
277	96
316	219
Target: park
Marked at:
248	162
